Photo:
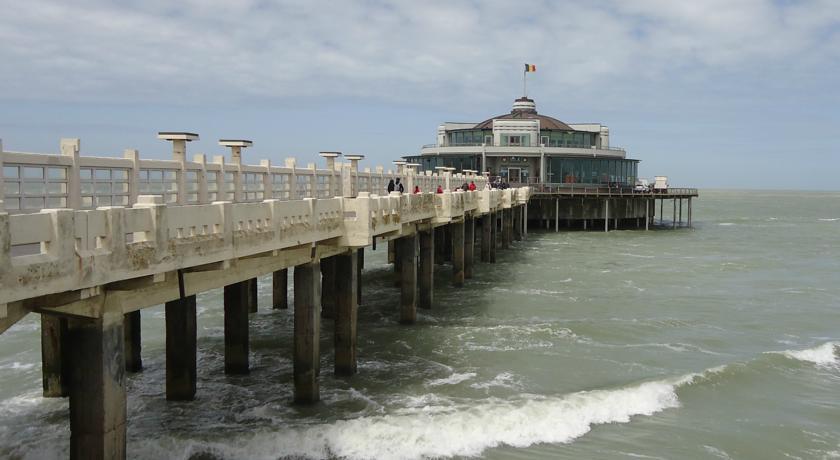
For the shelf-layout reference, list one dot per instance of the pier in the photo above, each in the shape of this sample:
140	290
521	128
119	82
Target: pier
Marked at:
87	242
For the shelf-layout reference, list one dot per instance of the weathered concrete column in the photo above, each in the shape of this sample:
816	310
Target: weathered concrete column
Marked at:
469	246
426	268
517	223
181	349
494	236
328	279
689	212
486	236
360	265
97	387
456	230
674	215
280	289
439	245
557	214
253	295
55	363
504	228
407	251
447	242
391	251
307	327
346	312
133	360
237	344
606	215
525	219
647	214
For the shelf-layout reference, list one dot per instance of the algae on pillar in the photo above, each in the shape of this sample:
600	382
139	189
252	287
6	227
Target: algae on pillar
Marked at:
280	289
346	312
328	279
426	269
97	387
133	360
181	349
457	237
407	257
307	328
237	344
469	246
55	364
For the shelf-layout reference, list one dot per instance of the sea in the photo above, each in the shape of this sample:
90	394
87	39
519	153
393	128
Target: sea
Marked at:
720	341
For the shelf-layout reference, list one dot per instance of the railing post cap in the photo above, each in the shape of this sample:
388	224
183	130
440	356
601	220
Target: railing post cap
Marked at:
150	199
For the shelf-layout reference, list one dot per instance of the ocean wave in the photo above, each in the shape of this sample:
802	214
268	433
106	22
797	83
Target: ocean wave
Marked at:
834	219
453	379
821	355
463	430
726	224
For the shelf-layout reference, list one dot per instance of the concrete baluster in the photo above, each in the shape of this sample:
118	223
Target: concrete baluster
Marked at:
133	174
70	148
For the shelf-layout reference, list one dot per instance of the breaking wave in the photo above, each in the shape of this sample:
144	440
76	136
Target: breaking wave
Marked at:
455	430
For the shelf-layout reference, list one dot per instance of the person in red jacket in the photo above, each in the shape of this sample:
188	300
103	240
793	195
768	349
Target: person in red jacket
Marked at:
440	189
472	186
416	189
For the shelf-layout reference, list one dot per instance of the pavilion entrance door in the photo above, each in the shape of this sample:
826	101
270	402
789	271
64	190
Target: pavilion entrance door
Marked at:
514	175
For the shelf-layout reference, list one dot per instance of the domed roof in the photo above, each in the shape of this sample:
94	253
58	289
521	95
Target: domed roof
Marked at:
526	109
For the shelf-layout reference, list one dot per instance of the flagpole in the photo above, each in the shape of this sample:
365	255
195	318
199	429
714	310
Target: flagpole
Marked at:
524	86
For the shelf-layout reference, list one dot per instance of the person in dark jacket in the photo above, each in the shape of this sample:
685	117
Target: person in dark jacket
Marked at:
391	185
399	186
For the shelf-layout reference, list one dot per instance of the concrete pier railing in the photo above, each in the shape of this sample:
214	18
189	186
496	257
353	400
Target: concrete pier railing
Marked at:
88	242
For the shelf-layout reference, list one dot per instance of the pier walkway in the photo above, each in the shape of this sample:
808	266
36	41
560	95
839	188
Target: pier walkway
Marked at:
87	242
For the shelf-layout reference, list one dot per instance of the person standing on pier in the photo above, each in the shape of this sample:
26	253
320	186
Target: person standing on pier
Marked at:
416	189
391	185
472	185
400	187
439	189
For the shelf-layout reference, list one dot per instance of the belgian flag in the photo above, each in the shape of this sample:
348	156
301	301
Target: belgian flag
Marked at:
530	68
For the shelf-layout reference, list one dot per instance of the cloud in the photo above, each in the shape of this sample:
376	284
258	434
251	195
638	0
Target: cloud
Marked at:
416	52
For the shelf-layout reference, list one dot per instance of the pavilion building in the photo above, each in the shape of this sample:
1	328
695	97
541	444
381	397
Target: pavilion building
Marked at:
525	147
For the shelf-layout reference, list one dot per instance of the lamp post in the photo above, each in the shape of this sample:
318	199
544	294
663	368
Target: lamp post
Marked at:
236	146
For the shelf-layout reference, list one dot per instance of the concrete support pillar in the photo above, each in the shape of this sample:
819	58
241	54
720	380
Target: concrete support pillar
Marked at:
133	360
181	349
517	223
689	213
674	215
426	268
97	387
237	344
647	215
307	329
680	212
507	234
557	215
280	289
494	238
328	279
486	236
525	220
346	311
606	215
407	251
391	252
360	264
55	363
584	223
440	245
469	246
447	242
253	295
457	232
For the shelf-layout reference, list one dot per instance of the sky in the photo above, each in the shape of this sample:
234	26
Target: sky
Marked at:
712	93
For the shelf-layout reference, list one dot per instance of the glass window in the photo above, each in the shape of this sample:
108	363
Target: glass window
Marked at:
103	174
10	171
30	172
58	173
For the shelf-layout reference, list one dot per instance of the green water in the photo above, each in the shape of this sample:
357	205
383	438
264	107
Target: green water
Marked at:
716	342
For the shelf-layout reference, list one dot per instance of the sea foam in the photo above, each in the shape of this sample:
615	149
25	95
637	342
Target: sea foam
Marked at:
822	355
462	430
